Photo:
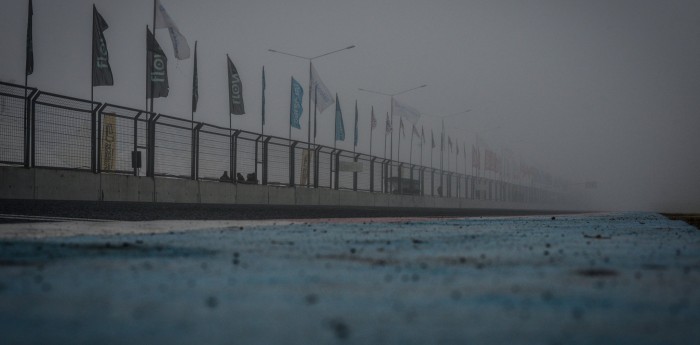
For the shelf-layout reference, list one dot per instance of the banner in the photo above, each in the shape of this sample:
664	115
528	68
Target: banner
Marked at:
101	72
109	142
295	105
373	120
322	96
235	90
163	21
157	69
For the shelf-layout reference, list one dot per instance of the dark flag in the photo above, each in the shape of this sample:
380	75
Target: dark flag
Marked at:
29	65
195	81
157	69
235	90
101	72
263	94
339	126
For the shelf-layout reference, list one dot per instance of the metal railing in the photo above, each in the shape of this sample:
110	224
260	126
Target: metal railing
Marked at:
41	129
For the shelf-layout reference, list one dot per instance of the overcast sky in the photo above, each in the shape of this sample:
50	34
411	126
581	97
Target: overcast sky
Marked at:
588	90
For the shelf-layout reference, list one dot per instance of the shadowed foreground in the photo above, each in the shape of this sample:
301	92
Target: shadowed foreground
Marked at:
604	278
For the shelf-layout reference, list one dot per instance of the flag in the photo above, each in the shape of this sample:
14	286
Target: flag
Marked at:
388	125
235	90
355	142
263	87
401	129
373	121
295	105
432	139
405	111
456	148
415	131
315	106
449	142
157	69
29	62
101	72
422	135
195	81
163	21
339	127
323	98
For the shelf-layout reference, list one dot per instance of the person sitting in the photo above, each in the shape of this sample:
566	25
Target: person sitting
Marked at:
252	178
240	178
224	177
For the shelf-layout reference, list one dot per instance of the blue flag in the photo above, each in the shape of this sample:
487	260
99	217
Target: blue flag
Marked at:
339	127
295	108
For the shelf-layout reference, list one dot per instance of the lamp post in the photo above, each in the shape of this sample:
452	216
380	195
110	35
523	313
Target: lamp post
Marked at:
391	97
310	59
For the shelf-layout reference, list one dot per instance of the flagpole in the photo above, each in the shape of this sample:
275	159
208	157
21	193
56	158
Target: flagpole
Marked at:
92	58
371	130
193	80
354	133
315	106
335	127
291	100
153	55
262	119
410	154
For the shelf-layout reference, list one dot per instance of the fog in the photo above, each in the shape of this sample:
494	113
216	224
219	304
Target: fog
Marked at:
603	91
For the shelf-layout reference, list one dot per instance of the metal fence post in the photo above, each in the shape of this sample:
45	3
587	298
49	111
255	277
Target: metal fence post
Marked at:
28	124
97	131
354	174
264	160
337	171
317	155
291	163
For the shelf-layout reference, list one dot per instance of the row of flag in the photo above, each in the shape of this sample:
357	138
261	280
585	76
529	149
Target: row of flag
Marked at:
322	98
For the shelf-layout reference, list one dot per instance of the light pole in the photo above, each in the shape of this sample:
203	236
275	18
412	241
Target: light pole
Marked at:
391	97
310	59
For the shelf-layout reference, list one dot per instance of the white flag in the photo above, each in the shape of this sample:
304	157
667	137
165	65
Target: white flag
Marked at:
406	112
163	21
323	95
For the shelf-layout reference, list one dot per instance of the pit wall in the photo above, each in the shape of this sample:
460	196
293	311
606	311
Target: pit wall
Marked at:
56	184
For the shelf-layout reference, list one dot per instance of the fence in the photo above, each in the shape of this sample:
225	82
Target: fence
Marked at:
41	129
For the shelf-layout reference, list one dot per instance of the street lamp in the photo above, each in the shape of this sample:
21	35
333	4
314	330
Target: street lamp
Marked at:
310	67
391	96
308	138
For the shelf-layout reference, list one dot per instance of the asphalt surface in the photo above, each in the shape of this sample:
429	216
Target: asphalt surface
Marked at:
134	211
627	278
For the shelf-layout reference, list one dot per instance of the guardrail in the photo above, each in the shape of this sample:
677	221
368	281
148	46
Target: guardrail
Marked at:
41	129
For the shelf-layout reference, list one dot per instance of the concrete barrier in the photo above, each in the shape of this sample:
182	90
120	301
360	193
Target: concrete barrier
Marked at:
281	195
307	196
54	184
126	188
214	192
176	190
17	183
251	194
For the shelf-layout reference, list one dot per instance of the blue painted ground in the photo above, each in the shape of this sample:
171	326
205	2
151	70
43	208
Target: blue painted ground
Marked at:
629	278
